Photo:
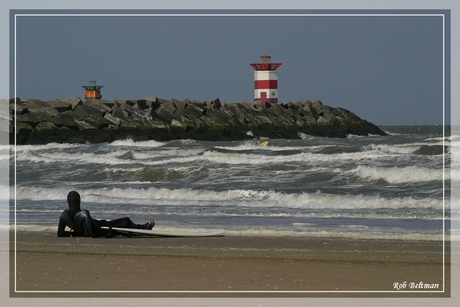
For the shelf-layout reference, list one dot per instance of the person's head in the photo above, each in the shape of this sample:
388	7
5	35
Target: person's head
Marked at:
73	198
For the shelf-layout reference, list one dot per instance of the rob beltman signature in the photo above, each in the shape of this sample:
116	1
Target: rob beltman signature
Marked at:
414	286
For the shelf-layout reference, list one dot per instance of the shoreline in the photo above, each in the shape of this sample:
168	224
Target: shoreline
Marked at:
269	233
44	265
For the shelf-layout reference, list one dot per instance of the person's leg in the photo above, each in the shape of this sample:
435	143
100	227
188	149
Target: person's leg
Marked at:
126	222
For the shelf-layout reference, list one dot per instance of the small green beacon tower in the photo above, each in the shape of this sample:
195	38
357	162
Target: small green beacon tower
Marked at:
93	91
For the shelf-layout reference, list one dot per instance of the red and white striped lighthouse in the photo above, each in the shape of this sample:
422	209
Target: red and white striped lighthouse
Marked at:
266	79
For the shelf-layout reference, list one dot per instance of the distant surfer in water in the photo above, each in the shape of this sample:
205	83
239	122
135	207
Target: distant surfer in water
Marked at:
83	225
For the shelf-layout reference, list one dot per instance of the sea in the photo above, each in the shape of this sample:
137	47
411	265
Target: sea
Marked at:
382	187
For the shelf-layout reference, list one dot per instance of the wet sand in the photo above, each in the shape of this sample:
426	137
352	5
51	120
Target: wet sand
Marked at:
44	265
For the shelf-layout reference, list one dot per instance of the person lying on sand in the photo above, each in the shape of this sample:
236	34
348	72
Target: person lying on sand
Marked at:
81	223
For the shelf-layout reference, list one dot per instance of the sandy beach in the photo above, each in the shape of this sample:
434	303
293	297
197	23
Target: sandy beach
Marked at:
44	265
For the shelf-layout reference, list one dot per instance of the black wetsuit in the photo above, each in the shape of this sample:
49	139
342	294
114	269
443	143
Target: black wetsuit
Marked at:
83	225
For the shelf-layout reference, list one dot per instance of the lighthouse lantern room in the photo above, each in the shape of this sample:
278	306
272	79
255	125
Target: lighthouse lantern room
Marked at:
266	80
93	91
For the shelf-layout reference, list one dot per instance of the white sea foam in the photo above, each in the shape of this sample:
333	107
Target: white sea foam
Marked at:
251	146
49	146
397	175
132	143
169	152
4	192
113	157
239	158
399	149
238	198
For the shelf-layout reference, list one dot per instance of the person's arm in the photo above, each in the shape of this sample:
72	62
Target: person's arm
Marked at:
61	228
87	223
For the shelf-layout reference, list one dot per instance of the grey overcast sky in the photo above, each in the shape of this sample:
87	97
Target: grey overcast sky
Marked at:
386	69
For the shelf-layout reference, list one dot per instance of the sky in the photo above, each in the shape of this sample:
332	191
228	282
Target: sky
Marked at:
386	69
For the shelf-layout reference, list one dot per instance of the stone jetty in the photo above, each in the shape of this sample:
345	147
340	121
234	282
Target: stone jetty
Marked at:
76	121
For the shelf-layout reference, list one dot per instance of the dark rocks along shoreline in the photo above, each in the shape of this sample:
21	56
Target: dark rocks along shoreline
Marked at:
76	121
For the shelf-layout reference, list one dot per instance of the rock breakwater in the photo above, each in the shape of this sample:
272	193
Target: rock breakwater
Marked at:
75	121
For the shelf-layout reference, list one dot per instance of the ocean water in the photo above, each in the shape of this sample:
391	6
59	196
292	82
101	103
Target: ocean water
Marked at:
398	186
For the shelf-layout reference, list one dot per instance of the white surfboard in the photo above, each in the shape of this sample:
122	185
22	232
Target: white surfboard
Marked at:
164	233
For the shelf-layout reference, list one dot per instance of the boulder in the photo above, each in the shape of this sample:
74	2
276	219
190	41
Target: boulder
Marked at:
142	117
152	100
98	105
35	104
178	114
59	105
164	113
18	108
291	105
177	123
83	125
70	121
50	111
22	131
97	121
193	111
276	111
74	102
90	109
80	112
142	104
131	103
44	130
213	104
318	107
16	100
170	106
309	109
112	119
128	109
179	105
322	120
331	119
201	104
117	111
34	118
261	105
66	132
